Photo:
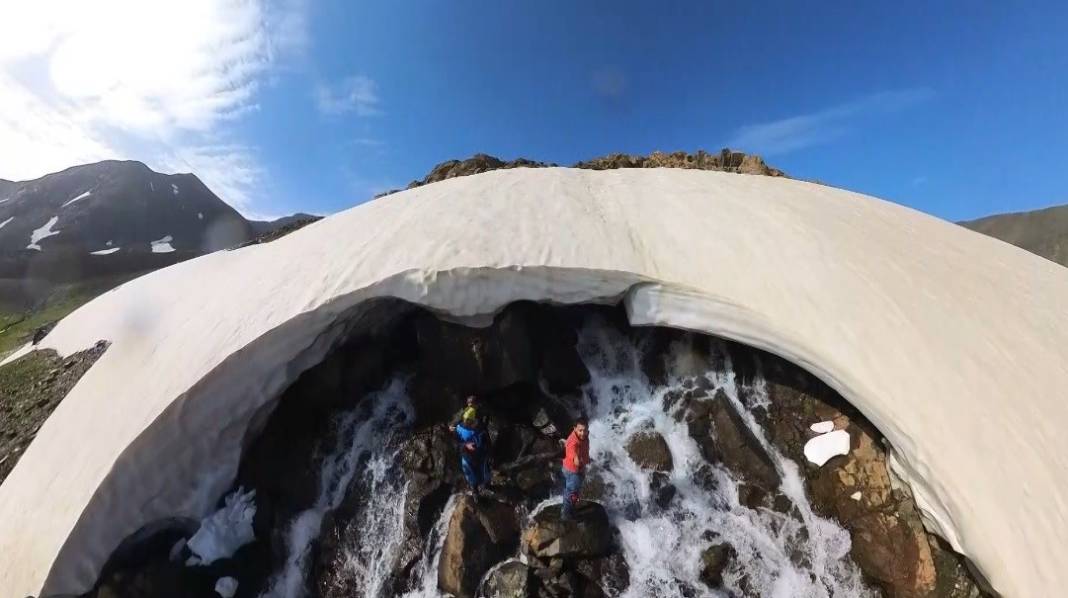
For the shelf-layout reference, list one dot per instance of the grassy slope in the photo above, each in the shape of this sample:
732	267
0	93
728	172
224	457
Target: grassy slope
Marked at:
17	327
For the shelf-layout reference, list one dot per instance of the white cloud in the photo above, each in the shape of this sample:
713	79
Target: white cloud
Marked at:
357	94
805	130
141	79
231	171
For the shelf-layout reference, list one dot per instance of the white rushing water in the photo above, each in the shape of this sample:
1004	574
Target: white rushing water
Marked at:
778	556
363	448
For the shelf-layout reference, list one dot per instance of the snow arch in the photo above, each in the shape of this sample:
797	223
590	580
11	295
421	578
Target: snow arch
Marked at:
953	344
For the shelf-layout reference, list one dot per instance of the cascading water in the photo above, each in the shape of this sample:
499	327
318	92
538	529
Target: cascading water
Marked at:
364	451
778	555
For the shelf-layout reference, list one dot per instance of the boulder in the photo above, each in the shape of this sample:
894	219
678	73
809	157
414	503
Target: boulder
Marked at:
512	579
589	535
714	561
478	536
610	574
724	437
650	451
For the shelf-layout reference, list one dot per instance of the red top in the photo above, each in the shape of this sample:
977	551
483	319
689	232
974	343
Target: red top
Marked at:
576	448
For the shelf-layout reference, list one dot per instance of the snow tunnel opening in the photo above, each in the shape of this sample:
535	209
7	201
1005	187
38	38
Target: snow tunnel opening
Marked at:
702	470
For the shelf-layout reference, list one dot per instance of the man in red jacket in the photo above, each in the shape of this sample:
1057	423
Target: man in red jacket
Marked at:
576	458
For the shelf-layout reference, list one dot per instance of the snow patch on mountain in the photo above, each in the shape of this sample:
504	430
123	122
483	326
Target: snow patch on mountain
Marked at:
174	188
105	251
163	245
43	233
82	196
5	223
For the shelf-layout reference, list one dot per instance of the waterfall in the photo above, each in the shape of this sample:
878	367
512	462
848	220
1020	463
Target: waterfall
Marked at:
777	555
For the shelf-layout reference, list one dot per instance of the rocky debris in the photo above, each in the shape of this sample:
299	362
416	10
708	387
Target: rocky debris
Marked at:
512	579
890	544
611	573
31	387
480	534
589	535
650	451
265	232
714	561
726	161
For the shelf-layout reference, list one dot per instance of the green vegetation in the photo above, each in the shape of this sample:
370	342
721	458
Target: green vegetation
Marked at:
17	327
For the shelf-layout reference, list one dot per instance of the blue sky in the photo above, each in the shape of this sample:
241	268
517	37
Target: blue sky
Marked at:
958	109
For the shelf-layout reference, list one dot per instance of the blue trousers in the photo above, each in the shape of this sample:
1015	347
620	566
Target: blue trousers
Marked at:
572	487
476	471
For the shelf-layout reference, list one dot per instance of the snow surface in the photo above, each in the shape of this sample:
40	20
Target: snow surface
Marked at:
5	199
925	327
224	531
43	233
82	196
105	251
6	222
226	587
174	188
163	245
822	427
855	495
820	449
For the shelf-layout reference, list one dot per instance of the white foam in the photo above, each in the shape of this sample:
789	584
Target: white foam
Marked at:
5	223
225	530
822	427
82	196
820	449
43	233
105	251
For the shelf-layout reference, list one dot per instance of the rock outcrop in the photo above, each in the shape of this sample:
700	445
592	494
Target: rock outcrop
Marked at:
726	161
480	534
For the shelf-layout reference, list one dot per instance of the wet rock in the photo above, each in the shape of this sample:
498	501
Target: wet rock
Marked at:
724	437
714	561
479	535
662	490
513	579
650	451
610	574
589	535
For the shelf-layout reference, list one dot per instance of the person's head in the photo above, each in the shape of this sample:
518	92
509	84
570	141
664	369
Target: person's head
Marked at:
582	428
471	401
469	417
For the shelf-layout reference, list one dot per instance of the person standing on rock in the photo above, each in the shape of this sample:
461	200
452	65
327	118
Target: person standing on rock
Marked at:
474	451
576	458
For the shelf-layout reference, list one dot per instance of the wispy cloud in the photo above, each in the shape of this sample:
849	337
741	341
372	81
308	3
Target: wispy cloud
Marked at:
805	130
85	81
358	94
230	170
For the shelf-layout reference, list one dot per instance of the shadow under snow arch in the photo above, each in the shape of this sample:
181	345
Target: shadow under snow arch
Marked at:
953	344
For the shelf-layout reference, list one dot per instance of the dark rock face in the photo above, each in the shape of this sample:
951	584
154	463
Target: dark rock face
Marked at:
31	388
714	561
588	536
650	451
724	437
480	534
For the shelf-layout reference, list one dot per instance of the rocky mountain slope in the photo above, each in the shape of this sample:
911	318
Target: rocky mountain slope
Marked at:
1042	232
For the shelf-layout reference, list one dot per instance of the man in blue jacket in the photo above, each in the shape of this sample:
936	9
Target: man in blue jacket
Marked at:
474	449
